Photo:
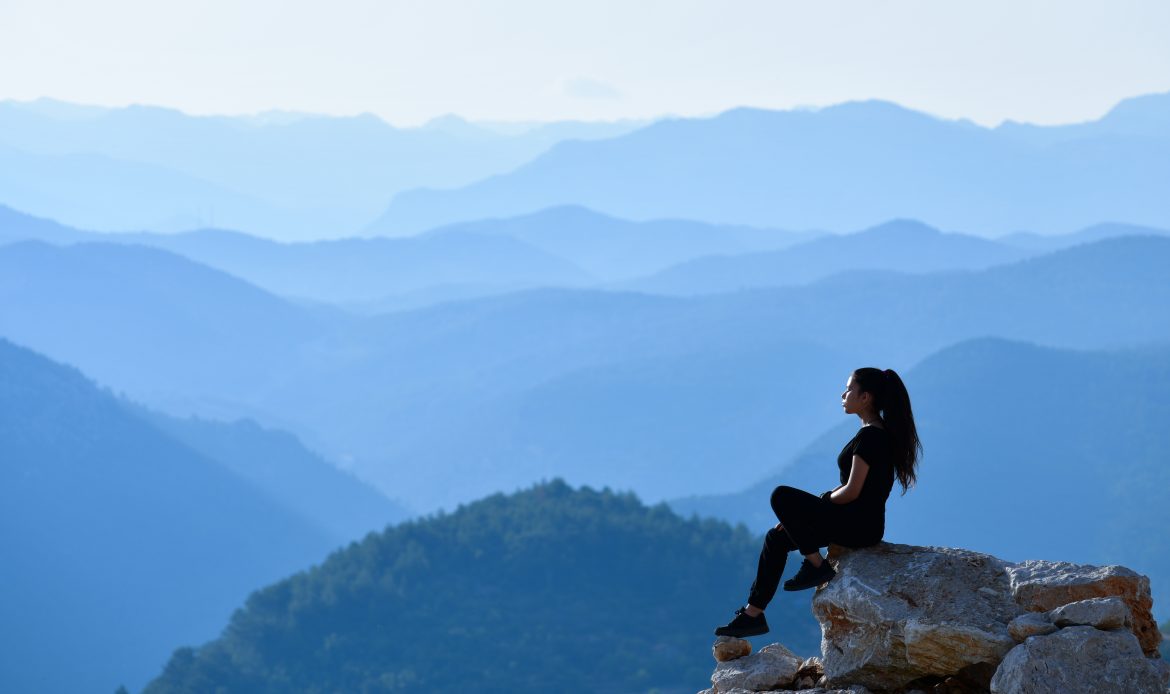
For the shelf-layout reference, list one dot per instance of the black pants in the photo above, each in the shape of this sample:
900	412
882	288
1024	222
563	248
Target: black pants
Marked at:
810	523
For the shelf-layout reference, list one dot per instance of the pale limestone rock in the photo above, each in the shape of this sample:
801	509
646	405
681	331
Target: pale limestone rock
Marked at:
1040	586
729	648
896	613
1030	624
1102	613
1078	659
809	674
773	667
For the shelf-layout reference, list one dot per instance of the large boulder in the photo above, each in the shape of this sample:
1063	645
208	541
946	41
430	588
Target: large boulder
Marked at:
1041	586
1078	659
897	613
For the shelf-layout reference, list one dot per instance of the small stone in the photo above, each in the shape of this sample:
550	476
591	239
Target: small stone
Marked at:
773	667
1030	624
728	648
1102	613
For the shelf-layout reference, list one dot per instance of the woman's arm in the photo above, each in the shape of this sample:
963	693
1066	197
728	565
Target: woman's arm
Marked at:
852	488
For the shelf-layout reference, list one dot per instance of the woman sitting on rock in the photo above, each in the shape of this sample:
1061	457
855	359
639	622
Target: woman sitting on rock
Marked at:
853	514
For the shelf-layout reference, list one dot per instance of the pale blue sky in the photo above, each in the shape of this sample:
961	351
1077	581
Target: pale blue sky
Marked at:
987	60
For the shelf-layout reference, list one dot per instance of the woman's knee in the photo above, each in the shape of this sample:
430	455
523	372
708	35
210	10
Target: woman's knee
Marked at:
777	540
779	494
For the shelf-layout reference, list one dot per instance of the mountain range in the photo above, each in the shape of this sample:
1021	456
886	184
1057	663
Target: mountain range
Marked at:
287	176
837	168
438	405
568	247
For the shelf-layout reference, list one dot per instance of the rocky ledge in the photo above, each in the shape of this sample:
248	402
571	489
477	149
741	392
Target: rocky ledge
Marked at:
901	619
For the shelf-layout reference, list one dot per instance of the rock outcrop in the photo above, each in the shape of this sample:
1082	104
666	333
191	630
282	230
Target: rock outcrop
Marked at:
1078	659
898	618
1040	586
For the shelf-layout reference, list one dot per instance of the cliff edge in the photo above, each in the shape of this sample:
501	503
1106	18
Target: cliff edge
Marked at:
899	619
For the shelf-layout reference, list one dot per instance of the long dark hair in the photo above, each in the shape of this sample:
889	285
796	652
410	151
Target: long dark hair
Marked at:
892	403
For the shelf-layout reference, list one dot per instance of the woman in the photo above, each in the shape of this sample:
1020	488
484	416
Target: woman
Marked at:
854	513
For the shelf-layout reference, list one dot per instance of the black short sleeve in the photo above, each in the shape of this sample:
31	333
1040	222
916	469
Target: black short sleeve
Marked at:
873	445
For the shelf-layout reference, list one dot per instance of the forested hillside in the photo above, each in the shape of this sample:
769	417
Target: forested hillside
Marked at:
548	589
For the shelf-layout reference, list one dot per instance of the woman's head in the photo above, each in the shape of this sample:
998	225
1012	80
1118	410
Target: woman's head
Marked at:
874	393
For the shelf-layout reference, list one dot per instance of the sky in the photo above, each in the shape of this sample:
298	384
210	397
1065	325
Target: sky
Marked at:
539	60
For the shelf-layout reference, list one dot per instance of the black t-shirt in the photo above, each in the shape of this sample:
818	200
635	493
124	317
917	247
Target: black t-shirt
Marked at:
875	446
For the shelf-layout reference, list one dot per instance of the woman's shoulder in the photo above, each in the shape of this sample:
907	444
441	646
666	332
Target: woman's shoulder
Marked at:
871	435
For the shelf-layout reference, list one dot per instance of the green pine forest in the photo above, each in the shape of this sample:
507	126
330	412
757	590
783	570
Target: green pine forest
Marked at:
551	588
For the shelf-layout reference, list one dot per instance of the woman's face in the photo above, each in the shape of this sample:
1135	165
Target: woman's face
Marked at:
853	400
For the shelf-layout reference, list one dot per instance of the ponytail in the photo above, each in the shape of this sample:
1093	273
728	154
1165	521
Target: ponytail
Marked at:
892	403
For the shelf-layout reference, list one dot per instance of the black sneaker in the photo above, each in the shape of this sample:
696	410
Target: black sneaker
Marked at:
743	625
810	576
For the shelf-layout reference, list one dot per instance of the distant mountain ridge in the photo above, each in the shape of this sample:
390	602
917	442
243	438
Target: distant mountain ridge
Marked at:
568	247
287	176
612	249
436	405
898	245
836	168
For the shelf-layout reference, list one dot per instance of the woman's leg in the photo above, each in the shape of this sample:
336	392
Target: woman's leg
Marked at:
773	556
804	518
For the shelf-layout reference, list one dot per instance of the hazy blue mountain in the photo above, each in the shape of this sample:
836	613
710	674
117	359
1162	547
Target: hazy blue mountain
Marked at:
284	175
98	192
902	245
17	226
458	386
368	272
838	168
549	589
1031	452
276	462
365	270
615	249
1097	232
1140	117
435	405
658	424
117	539
148	322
